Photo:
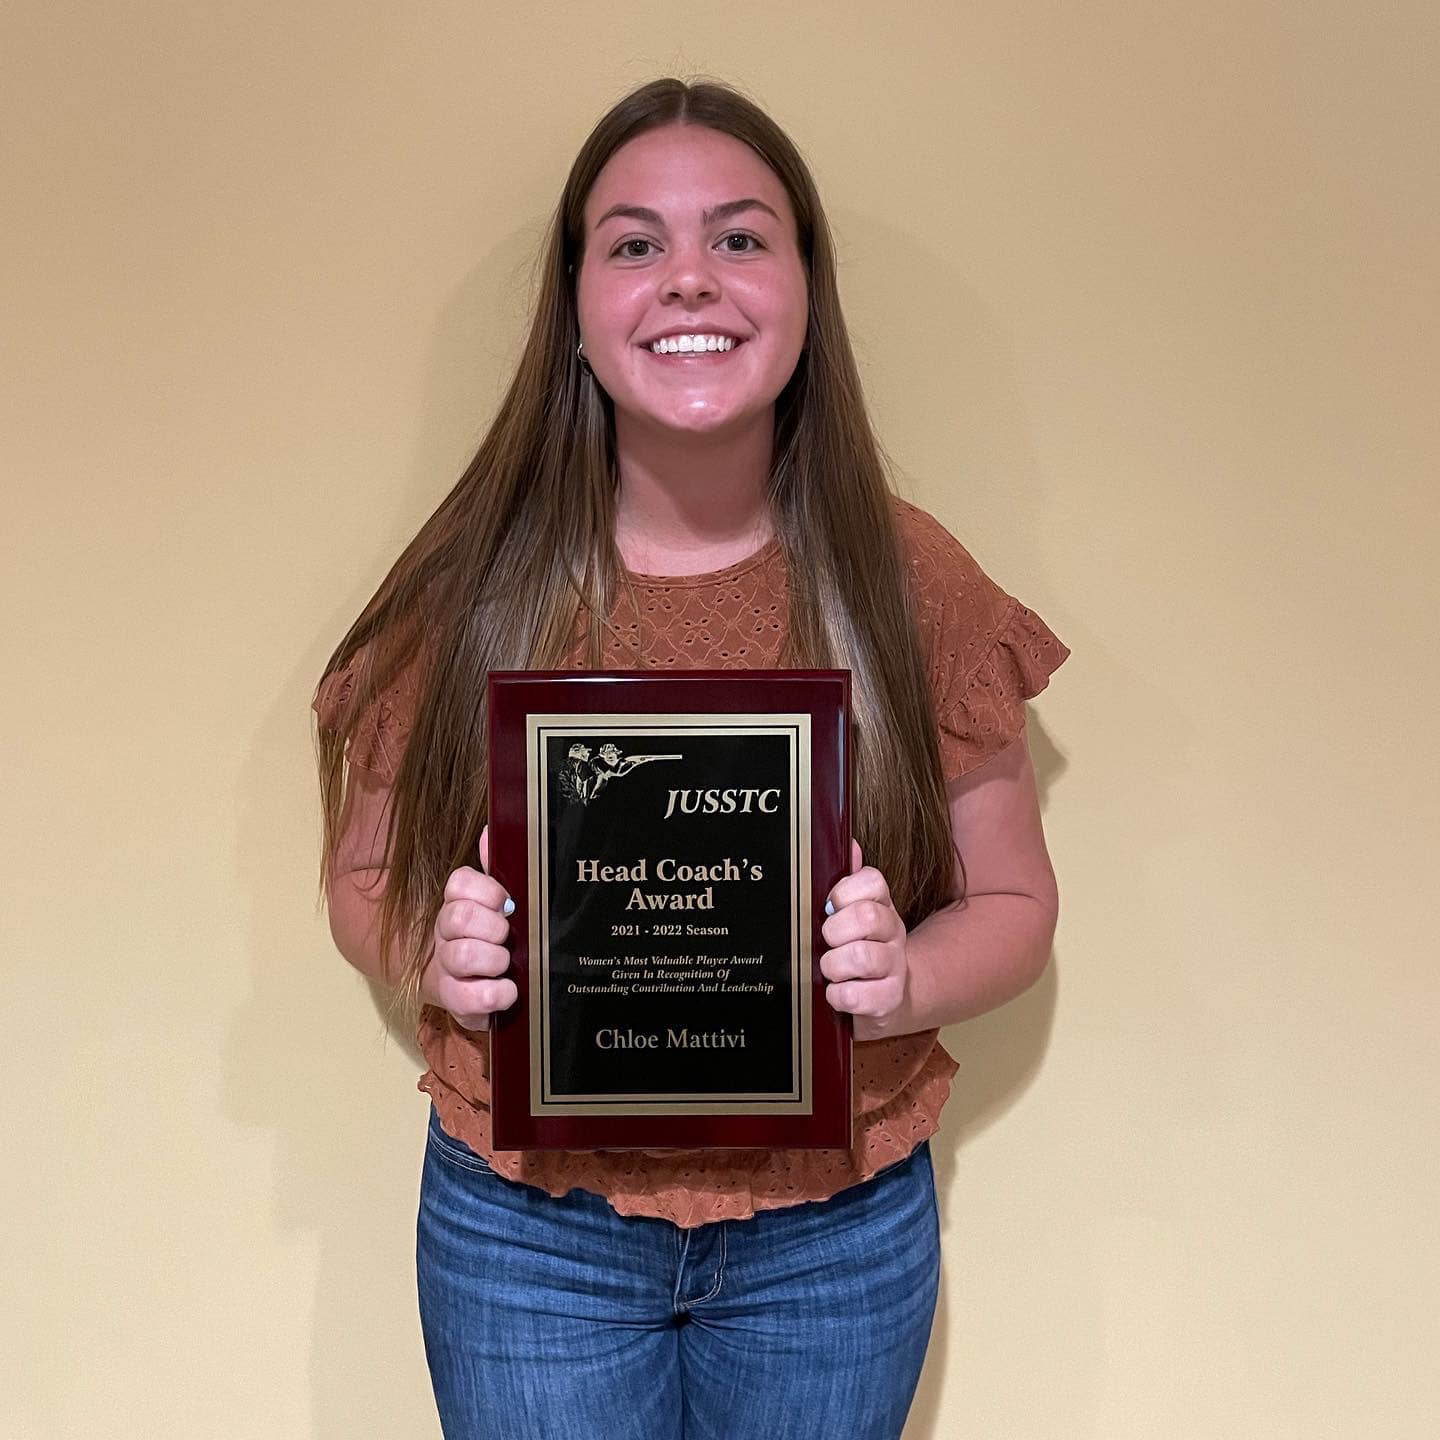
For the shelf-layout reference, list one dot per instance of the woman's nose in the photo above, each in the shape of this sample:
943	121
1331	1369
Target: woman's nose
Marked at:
691	275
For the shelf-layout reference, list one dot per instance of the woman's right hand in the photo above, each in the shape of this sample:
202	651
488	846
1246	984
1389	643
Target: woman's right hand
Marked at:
469	958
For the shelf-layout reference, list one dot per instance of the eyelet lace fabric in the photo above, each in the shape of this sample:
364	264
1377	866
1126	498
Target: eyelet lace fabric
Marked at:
987	653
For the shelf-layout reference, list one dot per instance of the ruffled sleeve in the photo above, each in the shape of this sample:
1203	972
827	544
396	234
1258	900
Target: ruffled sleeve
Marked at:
988	653
377	737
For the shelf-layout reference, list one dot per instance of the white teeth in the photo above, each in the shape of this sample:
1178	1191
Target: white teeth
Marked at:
688	344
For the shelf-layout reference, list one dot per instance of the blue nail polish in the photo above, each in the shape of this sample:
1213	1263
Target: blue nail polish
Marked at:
829	907
509	908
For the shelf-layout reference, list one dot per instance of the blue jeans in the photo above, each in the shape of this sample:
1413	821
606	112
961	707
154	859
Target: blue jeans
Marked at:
557	1317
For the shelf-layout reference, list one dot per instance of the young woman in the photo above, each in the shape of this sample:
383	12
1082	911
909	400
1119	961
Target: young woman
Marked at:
682	475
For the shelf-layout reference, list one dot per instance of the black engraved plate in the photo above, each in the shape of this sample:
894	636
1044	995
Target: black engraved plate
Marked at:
666	945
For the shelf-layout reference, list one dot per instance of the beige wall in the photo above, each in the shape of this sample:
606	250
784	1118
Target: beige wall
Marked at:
1146	300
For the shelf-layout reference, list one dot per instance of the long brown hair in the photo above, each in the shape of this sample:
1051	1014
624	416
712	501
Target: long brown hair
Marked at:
523	548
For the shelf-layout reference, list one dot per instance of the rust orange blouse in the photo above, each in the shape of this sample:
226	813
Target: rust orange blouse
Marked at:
987	655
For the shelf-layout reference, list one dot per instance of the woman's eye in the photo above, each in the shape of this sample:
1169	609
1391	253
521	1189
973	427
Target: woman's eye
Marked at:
740	235
624	246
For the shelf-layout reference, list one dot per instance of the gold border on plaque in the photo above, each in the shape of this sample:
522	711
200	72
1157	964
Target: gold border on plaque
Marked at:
796	728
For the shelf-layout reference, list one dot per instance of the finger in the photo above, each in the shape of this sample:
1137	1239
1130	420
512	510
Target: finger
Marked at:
864	997
508	906
867	883
473	1002
471	960
858	961
470	920
857	861
864	920
468	884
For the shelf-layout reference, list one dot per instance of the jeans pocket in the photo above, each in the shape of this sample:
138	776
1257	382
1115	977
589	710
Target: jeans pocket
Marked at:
455	1152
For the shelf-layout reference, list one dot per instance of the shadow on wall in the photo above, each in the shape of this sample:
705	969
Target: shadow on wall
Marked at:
308	1068
308	1064
999	1053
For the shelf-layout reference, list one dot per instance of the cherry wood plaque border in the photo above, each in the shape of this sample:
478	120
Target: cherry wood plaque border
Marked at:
516	695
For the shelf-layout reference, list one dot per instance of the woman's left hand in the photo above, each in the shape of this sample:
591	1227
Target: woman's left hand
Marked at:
866	963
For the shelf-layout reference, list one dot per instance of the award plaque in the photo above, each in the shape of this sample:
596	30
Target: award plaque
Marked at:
669	840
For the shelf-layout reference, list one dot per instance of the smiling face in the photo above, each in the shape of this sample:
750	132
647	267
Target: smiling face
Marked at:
689	233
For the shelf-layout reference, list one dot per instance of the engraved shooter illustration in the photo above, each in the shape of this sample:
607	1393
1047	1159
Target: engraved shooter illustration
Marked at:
585	776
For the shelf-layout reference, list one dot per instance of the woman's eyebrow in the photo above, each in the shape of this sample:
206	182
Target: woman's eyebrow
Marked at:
726	210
